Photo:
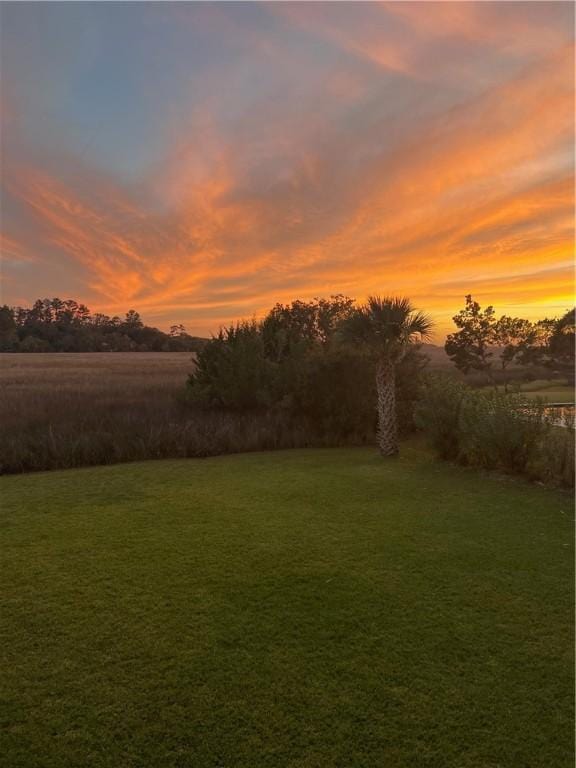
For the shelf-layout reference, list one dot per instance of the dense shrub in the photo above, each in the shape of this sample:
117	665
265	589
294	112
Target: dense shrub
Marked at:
494	430
232	371
410	376
333	393
438	414
554	463
501	431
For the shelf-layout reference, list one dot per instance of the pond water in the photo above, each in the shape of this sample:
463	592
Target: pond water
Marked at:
561	414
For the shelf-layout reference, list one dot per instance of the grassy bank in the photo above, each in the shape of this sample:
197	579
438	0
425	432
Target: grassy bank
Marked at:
304	608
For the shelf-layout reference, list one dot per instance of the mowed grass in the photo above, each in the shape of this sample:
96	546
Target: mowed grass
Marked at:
552	390
554	395
310	609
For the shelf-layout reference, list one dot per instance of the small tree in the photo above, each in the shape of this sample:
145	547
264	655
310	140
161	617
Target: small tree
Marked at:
482	339
484	342
133	319
470	348
513	336
561	345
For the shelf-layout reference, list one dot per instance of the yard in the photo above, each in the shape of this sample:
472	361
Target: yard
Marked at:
307	608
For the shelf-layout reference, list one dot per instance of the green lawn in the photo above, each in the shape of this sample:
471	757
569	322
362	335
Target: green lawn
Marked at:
552	390
300	609
554	394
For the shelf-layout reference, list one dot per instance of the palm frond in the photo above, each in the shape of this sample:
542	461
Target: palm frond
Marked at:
386	324
421	325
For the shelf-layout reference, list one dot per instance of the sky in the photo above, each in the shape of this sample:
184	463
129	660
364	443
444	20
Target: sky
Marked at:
199	162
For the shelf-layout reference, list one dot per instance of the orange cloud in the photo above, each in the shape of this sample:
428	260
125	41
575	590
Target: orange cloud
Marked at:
478	197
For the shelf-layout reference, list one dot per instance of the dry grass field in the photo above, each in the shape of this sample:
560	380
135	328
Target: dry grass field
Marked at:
93	372
53	388
69	410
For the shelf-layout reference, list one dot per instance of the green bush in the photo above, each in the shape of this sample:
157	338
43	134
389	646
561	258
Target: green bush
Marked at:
554	463
334	394
493	430
500	431
233	372
438	414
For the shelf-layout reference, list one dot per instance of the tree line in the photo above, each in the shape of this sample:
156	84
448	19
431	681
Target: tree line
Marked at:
344	369
334	367
56	325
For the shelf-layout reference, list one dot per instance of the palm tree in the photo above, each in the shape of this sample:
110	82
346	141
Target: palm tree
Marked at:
386	327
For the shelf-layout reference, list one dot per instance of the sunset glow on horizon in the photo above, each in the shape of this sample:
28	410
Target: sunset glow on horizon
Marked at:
199	162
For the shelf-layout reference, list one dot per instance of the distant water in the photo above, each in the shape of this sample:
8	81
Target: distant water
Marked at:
561	415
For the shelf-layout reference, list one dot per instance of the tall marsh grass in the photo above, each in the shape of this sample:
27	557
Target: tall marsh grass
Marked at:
69	410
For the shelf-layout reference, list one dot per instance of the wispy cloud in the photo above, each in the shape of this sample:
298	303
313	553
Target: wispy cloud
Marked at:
372	172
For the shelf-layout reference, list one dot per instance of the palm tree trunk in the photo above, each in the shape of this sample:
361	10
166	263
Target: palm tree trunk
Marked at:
386	392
